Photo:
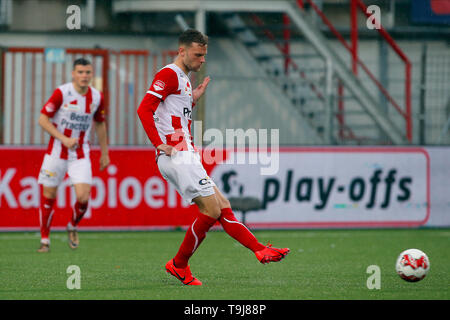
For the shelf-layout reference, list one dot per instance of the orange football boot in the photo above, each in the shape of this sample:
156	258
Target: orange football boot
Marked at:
182	274
269	254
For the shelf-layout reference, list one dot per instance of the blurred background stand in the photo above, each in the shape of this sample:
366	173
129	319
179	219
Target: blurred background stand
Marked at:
245	205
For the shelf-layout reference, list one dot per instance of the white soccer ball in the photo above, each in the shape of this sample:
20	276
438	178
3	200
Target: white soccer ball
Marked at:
412	265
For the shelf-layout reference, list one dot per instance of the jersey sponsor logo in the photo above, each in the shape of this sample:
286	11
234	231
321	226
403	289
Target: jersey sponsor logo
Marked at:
79	117
71	107
159	85
77	122
204	181
47	173
187	113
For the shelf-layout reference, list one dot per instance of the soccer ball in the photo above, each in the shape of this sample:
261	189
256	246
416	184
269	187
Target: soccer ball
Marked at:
412	265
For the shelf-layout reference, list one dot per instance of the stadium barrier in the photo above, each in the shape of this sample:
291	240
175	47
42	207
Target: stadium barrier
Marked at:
312	187
122	76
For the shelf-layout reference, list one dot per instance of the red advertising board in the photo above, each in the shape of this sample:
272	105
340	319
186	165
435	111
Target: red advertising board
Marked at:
440	6
310	187
129	194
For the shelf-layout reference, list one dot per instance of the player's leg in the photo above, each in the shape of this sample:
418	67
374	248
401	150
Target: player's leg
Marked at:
185	172
206	218
48	197
80	173
196	233
233	227
50	176
243	235
83	194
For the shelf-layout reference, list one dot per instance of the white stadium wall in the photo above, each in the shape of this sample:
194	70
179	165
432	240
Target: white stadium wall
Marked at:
345	187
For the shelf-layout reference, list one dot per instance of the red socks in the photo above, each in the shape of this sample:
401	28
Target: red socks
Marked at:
45	217
193	238
239	231
46	214
78	212
197	232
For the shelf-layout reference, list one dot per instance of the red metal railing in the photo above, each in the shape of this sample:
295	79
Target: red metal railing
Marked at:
345	132
93	52
23	83
353	49
282	49
127	54
29	72
407	113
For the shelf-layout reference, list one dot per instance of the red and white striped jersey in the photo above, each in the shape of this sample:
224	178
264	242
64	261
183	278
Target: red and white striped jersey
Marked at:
72	114
166	110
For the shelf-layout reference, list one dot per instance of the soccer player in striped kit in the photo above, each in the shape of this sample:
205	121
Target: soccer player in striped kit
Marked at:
68	117
165	113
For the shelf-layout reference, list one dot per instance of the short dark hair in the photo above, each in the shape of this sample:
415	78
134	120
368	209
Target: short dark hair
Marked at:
190	36
82	62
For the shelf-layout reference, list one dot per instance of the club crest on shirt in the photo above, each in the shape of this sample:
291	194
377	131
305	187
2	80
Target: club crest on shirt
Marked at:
159	85
50	107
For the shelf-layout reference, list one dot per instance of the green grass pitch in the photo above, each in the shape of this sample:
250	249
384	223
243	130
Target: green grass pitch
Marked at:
323	264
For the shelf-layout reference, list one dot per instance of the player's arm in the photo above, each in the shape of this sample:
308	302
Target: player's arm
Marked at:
102	134
164	84
145	112
47	112
200	90
100	129
46	124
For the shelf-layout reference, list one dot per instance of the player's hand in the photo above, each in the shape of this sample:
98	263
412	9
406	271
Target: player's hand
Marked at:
70	143
200	90
104	161
167	149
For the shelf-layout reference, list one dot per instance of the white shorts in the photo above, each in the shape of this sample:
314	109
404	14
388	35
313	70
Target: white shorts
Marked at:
53	171
186	173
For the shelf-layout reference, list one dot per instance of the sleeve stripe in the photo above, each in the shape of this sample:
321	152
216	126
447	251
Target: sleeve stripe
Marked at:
155	94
